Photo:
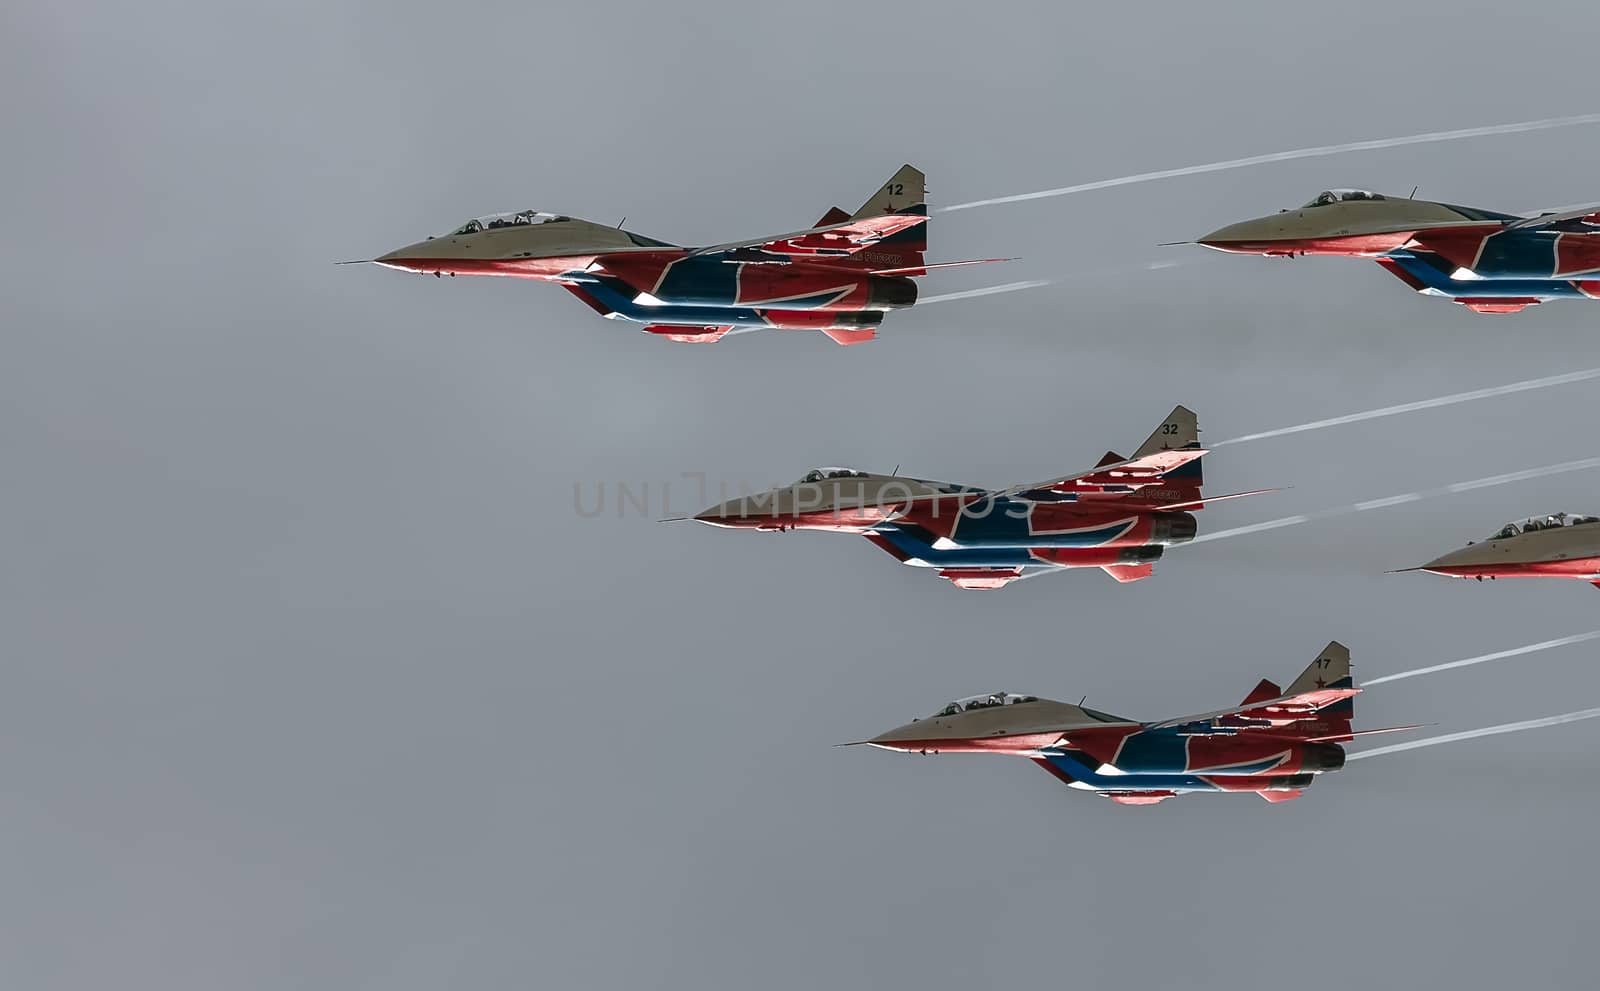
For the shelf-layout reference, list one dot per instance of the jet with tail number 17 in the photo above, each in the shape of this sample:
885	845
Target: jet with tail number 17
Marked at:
1274	744
1118	516
839	277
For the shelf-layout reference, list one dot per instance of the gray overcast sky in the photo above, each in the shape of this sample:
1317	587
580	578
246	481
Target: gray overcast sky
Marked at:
313	678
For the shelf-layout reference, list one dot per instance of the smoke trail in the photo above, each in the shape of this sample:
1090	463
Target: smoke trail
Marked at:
986	291
1491	392
1286	156
1472	734
1485	658
1396	500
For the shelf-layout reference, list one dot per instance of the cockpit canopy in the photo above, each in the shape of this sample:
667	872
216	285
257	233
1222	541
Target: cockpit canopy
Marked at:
990	701
494	221
1551	522
1342	196
827	474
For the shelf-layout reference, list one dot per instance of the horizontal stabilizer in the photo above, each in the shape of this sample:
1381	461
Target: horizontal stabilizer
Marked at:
1340	737
1201	503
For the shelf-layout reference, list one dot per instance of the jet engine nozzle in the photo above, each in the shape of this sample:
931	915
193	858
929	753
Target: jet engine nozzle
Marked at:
1322	757
1174	528
855	318
890	292
1291	782
1140	555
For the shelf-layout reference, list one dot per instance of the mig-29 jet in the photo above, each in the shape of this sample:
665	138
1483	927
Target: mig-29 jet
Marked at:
1560	545
1118	516
1486	261
839	277
1273	744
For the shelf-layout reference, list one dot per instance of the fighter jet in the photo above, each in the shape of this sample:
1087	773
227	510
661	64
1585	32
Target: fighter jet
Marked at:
1560	545
839	277
1118	516
1273	744
1486	261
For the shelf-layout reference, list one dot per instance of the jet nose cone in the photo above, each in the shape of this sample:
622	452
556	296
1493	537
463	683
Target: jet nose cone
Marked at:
1456	564
732	514
1234	236
405	259
897	738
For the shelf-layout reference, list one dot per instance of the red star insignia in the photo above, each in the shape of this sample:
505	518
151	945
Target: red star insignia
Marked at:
1321	683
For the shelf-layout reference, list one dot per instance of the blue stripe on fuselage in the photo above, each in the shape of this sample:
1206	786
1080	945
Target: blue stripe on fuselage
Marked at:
1002	524
617	296
1082	768
1434	273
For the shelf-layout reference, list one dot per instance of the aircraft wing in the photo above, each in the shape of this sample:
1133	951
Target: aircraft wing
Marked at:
1547	219
1132	472
1285	708
843	238
1173	444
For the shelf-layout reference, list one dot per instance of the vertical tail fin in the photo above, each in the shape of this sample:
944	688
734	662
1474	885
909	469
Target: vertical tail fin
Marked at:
1180	429
1265	691
1331	669
904	190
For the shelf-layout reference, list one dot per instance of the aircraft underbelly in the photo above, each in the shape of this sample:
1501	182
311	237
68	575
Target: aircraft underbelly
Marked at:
1576	567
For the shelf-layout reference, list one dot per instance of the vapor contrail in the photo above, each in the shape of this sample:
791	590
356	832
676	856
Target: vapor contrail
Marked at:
1485	658
986	291
1405	497
1472	734
1526	385
1074	276
1286	156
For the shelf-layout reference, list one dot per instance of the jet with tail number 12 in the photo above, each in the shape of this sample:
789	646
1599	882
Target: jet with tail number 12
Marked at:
1274	744
839	276
1118	516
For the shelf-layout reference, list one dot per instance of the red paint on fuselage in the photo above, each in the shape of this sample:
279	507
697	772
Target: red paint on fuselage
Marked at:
1577	254
1585	568
1347	245
1024	743
547	269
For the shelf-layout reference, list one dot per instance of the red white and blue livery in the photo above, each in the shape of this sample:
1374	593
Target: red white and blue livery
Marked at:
1273	744
839	277
1119	516
1486	261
